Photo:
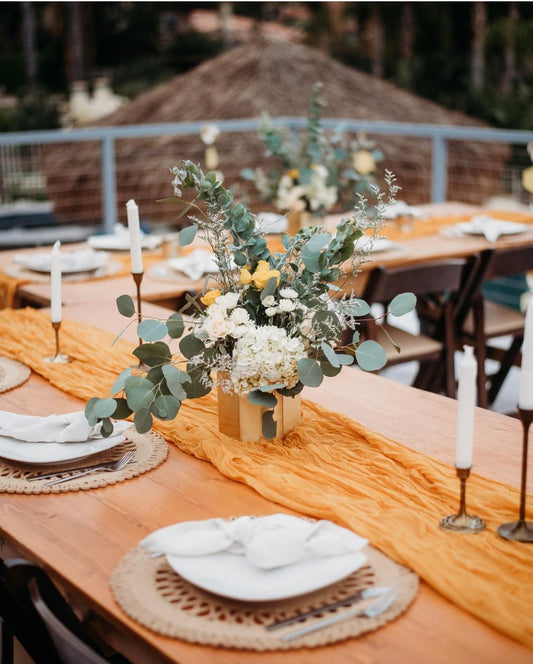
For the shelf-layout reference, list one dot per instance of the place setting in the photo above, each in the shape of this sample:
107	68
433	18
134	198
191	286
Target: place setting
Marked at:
119	239
76	265
59	453
191	267
262	583
491	228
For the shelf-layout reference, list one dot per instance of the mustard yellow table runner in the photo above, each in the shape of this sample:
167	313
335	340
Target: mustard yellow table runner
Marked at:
330	467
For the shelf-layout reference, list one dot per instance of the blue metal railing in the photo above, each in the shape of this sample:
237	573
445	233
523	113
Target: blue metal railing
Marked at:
438	134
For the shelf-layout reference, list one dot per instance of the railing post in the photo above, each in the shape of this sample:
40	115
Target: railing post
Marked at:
109	195
439	172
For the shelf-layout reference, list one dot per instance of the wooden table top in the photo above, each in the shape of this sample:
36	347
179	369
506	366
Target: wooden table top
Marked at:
167	293
81	536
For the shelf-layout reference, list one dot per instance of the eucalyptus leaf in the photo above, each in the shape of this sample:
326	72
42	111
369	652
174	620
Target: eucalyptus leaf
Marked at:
138	381
125	305
107	427
143	420
370	356
191	346
153	354
259	398
330	354
122	411
89	411
356	336
345	360
361	307
174	380
328	370
269	427
402	304
270	288
168	406
309	372
187	235
152	330
119	383
139	399
175	326
104	407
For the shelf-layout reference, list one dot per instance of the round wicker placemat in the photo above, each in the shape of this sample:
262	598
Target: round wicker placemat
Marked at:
150	451
108	269
151	592
12	373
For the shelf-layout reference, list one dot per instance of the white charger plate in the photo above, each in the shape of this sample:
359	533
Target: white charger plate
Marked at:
380	244
121	242
233	576
504	228
53	453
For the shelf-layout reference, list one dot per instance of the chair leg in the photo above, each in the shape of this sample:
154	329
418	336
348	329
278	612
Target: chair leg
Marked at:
6	644
497	379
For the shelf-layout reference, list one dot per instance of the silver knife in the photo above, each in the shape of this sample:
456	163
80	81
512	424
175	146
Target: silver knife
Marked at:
368	593
380	605
47	476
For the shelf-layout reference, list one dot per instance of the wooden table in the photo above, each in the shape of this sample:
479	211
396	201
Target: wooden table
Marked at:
81	536
169	293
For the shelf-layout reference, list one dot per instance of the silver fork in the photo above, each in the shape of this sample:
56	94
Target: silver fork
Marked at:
111	466
377	607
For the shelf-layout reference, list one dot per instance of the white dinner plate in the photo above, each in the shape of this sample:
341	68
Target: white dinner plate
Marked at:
53	453
121	242
380	244
231	575
70	264
502	227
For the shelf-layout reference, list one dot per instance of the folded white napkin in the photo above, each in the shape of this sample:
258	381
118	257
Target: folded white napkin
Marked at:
272	222
195	264
72	261
267	542
120	239
68	428
401	209
489	227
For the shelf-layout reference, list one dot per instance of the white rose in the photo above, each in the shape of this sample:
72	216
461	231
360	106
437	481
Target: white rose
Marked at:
228	301
218	327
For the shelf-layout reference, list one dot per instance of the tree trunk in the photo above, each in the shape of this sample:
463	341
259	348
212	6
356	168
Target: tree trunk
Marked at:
509	72
77	69
376	32
477	59
30	52
407	45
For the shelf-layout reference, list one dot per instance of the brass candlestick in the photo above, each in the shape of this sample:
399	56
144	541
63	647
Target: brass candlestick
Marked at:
137	278
58	358
462	522
521	530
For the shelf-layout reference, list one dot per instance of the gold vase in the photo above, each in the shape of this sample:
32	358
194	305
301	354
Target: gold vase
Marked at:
238	418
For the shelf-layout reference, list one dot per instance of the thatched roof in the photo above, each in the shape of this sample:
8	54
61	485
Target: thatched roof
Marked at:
277	77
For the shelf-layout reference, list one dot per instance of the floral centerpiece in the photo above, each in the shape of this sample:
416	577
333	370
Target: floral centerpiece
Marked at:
269	326
316	170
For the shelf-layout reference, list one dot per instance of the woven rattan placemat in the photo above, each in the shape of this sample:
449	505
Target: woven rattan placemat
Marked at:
150	451
12	374
151	592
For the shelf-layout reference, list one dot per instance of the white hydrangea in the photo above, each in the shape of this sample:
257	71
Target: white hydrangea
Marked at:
269	301
289	293
266	356
286	305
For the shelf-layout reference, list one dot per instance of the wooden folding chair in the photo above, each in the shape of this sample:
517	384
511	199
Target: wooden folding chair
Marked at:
488	320
34	611
444	288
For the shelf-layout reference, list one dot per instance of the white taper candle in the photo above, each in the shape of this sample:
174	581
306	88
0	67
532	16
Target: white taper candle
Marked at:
466	403
135	237
55	283
525	395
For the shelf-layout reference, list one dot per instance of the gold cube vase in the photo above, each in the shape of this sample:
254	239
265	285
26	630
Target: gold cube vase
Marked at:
240	419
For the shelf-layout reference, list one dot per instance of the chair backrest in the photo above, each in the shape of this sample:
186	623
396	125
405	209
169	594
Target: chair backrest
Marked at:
504	262
40	618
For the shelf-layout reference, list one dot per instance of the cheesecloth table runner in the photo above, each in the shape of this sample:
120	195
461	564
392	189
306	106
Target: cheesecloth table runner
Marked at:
330	467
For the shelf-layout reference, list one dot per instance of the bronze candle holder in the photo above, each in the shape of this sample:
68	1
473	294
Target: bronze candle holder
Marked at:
462	522
58	358
137	278
521	530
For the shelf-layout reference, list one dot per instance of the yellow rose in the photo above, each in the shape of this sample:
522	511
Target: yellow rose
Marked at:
262	274
246	277
363	162
210	297
294	173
